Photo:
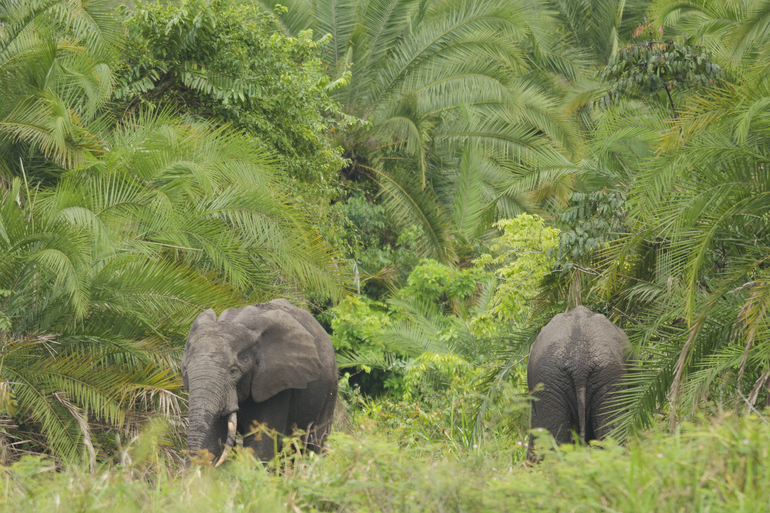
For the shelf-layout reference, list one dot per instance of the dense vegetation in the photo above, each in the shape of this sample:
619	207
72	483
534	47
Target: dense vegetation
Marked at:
434	180
716	467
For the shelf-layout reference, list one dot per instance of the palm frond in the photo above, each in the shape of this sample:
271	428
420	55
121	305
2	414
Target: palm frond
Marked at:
406	199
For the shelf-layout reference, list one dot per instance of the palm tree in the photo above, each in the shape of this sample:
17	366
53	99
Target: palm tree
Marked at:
692	279
56	61
146	221
108	273
68	352
441	85
730	30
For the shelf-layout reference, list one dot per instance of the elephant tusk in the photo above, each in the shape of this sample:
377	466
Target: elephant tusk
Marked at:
232	421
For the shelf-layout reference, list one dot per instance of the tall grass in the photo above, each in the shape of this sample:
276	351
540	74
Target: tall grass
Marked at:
720	464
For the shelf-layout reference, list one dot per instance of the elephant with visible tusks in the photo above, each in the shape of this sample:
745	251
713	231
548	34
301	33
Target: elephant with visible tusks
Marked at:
579	358
271	364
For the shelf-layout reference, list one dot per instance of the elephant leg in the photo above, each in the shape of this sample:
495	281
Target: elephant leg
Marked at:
552	411
313	412
604	414
275	414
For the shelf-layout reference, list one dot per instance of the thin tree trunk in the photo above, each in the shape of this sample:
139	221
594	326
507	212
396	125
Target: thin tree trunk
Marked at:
676	117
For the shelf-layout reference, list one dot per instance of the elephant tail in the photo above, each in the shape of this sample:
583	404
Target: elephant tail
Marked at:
581	400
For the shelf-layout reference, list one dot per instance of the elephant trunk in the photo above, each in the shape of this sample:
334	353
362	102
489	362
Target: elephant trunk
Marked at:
208	411
203	426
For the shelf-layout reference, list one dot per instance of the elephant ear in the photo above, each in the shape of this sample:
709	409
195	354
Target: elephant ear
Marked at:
205	318
288	357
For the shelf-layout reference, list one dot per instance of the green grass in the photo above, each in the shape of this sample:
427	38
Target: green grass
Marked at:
718	464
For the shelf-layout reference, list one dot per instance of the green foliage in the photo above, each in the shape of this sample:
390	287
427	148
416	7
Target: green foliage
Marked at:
455	125
432	282
447	417
56	63
520	258
228	62
5	321
715	466
590	221
424	328
356	323
687	282
447	328
693	273
650	66
382	253
72	347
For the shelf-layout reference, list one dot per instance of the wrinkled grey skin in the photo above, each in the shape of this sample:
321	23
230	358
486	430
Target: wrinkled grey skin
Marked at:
271	363
580	358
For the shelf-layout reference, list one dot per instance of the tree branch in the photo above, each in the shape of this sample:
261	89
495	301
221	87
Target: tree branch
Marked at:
676	117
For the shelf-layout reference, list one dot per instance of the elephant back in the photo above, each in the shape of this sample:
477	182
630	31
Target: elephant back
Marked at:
579	341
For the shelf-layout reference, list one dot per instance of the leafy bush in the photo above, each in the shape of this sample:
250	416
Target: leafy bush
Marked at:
520	258
717	465
446	333
432	282
233	63
650	65
589	221
382	254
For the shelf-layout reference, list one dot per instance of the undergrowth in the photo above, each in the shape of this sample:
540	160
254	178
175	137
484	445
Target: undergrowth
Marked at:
717	464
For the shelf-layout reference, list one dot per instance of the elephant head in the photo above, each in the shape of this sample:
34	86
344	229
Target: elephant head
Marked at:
248	353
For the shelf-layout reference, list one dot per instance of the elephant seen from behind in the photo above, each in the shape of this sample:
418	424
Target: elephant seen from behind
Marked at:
579	359
271	364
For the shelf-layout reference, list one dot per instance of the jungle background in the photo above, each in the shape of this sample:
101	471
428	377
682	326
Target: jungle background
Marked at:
433	180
